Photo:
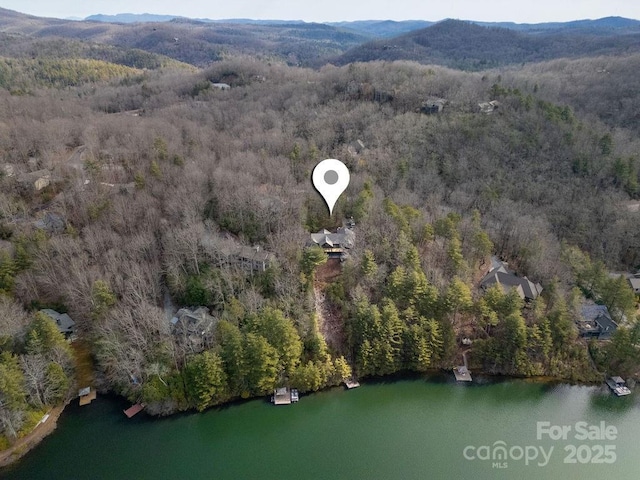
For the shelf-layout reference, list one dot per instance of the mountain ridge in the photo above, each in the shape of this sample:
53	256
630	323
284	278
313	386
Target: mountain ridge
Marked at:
469	46
387	27
459	44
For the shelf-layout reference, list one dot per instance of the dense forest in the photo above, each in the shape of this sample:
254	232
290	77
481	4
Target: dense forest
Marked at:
123	191
489	46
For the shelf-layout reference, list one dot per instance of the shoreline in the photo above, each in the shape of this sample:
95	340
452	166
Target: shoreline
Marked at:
32	439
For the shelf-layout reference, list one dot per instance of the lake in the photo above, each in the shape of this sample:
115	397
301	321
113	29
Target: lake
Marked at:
404	429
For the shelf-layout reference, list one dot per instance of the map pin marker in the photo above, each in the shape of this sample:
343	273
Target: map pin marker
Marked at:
331	178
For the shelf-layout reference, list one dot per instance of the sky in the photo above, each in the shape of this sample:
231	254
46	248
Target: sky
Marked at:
520	11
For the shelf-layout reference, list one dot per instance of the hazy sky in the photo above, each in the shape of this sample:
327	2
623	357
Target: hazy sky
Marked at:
522	11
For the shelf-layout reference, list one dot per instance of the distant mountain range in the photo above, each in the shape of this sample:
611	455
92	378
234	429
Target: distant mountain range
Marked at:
191	41
130	18
454	43
152	18
391	28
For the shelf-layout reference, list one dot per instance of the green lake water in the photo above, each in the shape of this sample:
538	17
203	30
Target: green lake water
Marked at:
405	429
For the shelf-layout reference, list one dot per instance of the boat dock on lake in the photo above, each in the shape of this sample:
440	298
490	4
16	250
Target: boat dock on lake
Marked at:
461	372
618	386
351	383
134	410
284	396
87	395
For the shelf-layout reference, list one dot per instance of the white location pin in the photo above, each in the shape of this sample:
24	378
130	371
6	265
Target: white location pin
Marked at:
331	178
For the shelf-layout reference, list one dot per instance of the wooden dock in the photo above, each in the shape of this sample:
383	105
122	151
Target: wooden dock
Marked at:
133	410
462	374
283	396
351	383
618	386
87	395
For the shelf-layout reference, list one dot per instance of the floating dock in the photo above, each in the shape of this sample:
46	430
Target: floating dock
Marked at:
351	383
618	386
462	374
133	410
285	396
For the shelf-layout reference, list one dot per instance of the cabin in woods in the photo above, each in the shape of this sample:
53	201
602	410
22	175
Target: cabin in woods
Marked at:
65	324
335	244
499	274
596	322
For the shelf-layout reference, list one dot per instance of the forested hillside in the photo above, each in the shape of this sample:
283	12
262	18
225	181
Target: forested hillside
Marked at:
196	42
54	48
127	195
452	43
469	46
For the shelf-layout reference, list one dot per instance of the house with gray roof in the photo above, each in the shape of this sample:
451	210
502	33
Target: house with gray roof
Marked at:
433	105
499	274
634	282
225	249
335	244
596	322
193	328
65	324
252	258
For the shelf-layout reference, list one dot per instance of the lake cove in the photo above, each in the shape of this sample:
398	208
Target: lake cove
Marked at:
406	429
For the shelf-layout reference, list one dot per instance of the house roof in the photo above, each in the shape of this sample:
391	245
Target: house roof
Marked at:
634	282
434	102
343	237
591	312
525	287
599	314
255	254
63	321
233	251
196	321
